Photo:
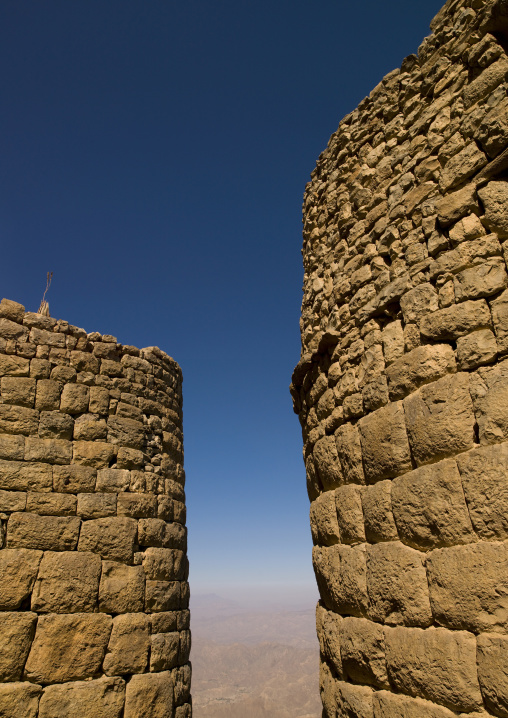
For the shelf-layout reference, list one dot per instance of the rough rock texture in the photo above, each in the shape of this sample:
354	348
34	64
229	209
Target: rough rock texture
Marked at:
402	386
94	617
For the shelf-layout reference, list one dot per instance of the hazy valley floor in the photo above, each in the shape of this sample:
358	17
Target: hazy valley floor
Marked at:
253	664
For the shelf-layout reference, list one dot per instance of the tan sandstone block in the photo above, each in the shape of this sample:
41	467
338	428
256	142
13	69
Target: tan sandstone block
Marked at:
354	700
53	425
499	309
323	520
385	446
164	648
89	427
419	366
489	390
103	698
349	451
12	447
434	664
73	479
429	507
484	475
397	585
18	476
99	401
126	432
74	399
96	454
12	501
476	349
421	300
341	577
12	310
468	585
47	395
495	200
128	645
18	390
68	647
492	656
440	419
52	451
122	588
47	533
156	532
18	571
18	420
348	501
377	512
149	696
327	463
16	634
362	648
139	506
112	538
328	632
182	676
68	582
393	341
482	280
162	596
96	506
13	366
455	321
392	705
51	504
327	689
19	699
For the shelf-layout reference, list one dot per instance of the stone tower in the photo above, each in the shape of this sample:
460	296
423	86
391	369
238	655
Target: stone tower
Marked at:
402	387
94	619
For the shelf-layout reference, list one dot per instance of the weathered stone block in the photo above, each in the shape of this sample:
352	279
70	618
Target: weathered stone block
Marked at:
492	657
128	645
377	513
103	698
149	696
348	501
327	463
12	447
489	390
482	280
112	538
155	532
164	622
51	504
122	588
51	451
393	341
454	205
484	475
384	442
13	366
99	400
323	520
468	586
349	451
476	349
327	689
18	390
19	699
461	166
419	366
74	399
16	634
47	533
126	432
362	649
18	571
499	309
68	647
328	631
495	200
162	564
12	310
421	300
164	649
18	476
353	700
47	396
341	577
53	425
440	419
392	705
397	585
113	480
455	321
162	596
73	479
67	582
137	506
435	664
96	506
18	420
12	501
89	427
429	507
96	454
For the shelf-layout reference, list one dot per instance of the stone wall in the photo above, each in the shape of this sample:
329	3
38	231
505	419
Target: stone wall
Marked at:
402	388
94	618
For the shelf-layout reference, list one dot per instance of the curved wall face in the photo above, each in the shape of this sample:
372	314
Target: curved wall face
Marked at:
402	389
94	618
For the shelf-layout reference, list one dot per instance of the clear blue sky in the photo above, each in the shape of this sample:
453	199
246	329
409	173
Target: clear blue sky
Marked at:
154	156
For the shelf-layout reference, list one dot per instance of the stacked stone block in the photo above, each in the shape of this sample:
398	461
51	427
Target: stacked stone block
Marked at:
94	618
402	387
